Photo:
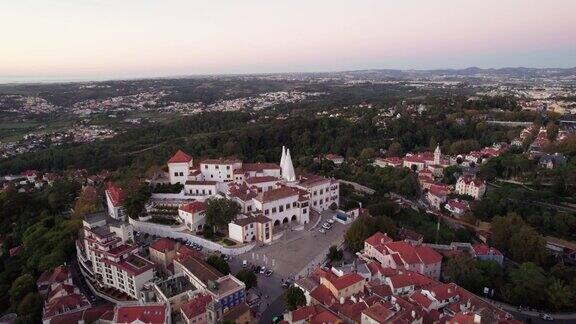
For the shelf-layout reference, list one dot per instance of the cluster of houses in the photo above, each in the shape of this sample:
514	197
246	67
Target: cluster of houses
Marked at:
395	282
173	276
430	166
65	303
33	180
269	195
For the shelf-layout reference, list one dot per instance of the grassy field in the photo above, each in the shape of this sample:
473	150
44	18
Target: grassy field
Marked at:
14	130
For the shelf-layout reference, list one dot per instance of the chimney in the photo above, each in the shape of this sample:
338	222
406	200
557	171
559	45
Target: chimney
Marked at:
341	300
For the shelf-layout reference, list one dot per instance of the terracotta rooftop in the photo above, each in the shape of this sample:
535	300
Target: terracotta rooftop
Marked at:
163	244
115	193
180	157
196	306
141	314
275	194
193	207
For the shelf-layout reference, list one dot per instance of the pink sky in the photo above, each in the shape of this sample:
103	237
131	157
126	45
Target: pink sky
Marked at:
177	37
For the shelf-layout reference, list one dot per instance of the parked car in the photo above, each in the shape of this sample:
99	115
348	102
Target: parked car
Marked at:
263	270
331	221
323	231
546	317
269	273
326	226
226	257
244	263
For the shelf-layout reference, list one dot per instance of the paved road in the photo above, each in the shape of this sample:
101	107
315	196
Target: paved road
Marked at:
80	282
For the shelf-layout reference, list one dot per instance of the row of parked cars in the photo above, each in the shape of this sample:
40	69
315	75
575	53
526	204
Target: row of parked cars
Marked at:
259	269
147	239
326	226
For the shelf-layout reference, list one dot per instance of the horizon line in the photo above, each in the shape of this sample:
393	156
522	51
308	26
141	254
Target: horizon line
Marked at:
83	79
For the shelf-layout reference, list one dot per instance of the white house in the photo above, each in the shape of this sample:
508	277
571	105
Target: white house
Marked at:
193	215
179	167
470	186
114	198
249	228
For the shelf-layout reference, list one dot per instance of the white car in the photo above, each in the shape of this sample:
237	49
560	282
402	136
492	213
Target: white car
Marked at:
326	226
323	231
331	221
263	270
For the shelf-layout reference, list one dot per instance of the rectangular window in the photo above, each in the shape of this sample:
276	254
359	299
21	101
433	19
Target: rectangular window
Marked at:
266	212
281	208
175	174
273	209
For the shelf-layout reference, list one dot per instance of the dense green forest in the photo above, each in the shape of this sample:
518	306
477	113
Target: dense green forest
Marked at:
38	223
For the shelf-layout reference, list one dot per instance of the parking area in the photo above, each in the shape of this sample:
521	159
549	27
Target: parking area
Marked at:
293	255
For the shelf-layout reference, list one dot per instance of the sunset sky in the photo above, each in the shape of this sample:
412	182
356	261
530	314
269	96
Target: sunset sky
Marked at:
138	38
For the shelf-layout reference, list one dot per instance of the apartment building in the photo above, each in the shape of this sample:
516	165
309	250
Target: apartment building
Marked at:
109	258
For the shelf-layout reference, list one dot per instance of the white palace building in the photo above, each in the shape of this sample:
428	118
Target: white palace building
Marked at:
261	189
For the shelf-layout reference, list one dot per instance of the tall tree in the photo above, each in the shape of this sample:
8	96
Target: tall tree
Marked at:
248	278
294	298
219	264
220	211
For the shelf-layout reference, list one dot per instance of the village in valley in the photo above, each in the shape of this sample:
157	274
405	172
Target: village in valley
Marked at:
223	240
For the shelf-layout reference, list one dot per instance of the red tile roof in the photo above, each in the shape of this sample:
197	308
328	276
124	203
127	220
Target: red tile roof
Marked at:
144	314
483	249
401	280
180	157
275	194
193	207
378	312
196	305
444	291
347	280
377	239
115	193
325	317
254	180
163	244
259	167
64	304
304	313
323	295
421	300
58	274
457	204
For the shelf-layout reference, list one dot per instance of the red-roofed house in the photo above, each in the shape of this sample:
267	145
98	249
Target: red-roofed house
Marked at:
303	314
457	207
377	314
345	286
325	317
142	314
401	255
114	199
486	253
179	167
473	187
193	215
162	253
194	310
436	196
49	279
